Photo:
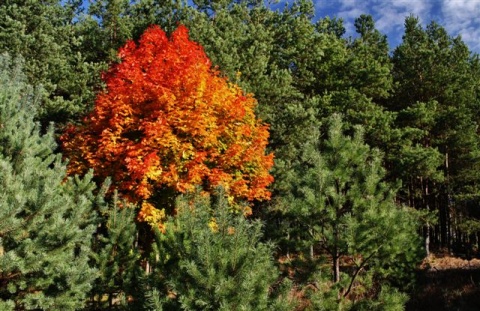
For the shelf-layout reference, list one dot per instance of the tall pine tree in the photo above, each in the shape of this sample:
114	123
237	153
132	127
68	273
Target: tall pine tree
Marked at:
437	109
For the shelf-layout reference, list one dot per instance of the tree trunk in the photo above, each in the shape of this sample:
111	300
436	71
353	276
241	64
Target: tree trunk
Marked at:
426	205
427	240
336	257
336	267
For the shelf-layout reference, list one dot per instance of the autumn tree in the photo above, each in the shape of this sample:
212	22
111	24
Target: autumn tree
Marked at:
167	120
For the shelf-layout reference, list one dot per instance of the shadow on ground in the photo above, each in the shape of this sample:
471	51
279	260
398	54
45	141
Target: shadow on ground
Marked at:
446	290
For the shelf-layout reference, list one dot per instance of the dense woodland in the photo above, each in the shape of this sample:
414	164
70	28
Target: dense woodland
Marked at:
233	157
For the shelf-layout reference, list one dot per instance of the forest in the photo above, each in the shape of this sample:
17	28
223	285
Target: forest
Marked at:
223	155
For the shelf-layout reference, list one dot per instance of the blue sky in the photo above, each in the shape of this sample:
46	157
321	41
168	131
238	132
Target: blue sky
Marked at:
458	17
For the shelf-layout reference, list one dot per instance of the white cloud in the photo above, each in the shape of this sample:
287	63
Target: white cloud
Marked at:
461	9
390	20
351	13
345	4
462	17
390	15
459	17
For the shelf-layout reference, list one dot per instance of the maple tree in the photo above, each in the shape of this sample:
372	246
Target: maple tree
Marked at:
167	119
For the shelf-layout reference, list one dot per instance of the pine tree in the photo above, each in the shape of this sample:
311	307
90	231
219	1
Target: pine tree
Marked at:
45	34
108	27
436	104
344	207
46	219
115	255
369	66
210	258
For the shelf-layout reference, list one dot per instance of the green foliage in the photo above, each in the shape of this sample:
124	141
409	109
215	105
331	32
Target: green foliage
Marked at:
106	28
46	219
211	258
344	206
369	65
383	298
388	299
436	105
115	255
45	34
330	197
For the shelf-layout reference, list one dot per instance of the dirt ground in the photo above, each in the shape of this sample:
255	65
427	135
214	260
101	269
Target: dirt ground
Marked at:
447	283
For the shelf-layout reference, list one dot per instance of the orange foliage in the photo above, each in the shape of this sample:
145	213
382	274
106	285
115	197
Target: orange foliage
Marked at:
167	119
